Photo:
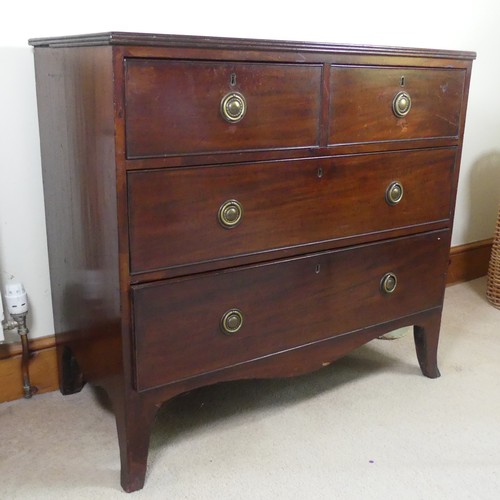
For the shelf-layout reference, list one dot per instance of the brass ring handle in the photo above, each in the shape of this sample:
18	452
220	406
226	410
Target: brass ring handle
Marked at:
394	193
388	283
401	104
231	321
230	214
233	107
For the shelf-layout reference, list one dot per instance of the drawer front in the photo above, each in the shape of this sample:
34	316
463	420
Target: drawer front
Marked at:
362	103
179	324
174	214
174	107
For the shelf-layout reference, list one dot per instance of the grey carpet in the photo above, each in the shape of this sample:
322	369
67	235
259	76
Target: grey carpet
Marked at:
369	426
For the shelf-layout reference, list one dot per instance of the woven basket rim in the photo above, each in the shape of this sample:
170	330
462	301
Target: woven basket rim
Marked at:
493	277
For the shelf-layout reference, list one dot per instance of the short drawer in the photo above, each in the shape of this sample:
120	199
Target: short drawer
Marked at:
184	216
190	326
187	107
382	104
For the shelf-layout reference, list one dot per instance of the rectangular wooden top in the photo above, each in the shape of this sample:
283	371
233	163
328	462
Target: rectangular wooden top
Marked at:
159	40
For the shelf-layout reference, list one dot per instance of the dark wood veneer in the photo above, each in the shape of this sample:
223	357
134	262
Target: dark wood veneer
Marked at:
285	304
359	111
172	107
137	160
240	44
285	204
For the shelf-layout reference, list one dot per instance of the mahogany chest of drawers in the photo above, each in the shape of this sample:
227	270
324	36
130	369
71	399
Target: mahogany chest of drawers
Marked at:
221	209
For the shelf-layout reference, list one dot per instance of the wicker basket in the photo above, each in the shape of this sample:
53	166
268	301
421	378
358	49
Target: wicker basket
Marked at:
493	286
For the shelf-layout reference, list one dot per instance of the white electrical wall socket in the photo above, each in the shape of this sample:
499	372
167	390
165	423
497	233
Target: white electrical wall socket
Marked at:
16	298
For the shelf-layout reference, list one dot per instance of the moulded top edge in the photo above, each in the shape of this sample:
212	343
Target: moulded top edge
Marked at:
149	39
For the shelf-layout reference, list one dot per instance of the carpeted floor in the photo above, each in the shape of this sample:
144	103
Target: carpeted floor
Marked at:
367	427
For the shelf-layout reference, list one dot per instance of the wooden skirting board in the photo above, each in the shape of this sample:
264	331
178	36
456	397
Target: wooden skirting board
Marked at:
470	261
43	368
467	262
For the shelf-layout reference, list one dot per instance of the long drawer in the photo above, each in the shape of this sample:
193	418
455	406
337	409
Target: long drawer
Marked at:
189	326
193	215
371	104
191	107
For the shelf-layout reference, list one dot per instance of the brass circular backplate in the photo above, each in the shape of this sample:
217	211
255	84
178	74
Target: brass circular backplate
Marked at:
401	104
233	107
394	193
388	283
231	321
230	214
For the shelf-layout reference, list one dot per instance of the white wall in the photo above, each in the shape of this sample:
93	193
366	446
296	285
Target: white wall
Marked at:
428	23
